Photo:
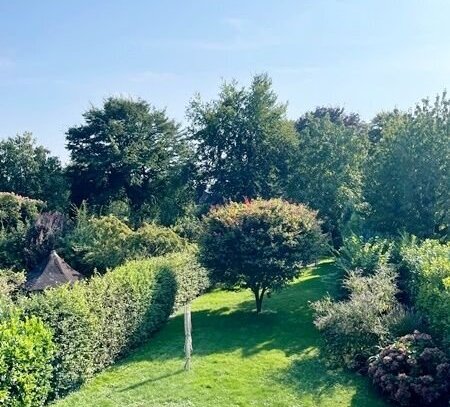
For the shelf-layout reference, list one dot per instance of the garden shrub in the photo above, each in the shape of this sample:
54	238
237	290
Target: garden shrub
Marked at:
97	243
412	371
260	244
97	321
353	328
106	242
15	209
16	215
429	271
364	255
26	351
152	240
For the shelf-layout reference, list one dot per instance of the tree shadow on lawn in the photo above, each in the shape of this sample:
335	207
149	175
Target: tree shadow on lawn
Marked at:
309	375
285	325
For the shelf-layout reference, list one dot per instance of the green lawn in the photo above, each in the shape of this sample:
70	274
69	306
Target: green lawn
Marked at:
240	358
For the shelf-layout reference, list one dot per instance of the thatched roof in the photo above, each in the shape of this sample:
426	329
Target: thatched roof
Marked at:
51	273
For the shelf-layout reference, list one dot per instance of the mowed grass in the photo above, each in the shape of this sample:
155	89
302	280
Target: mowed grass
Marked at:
240	358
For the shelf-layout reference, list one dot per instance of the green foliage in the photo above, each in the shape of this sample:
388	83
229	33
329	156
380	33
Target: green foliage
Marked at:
259	245
243	142
10	283
28	169
355	327
97	321
106	242
152	240
127	150
97	243
412	371
67	312
26	351
408	171
16	210
16	215
364	255
429	272
327	168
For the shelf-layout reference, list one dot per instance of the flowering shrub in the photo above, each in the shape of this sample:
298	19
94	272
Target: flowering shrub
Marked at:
412	371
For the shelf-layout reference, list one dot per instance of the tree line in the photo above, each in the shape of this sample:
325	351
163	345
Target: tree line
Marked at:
388	175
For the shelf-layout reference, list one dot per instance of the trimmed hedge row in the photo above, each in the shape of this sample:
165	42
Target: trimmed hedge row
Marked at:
96	322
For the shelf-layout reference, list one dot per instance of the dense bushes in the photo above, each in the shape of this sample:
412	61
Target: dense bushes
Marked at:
259	245
412	371
16	214
98	321
429	282
355	327
26	351
106	242
152	240
364	255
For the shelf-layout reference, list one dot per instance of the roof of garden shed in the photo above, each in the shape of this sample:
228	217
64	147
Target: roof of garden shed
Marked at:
51	273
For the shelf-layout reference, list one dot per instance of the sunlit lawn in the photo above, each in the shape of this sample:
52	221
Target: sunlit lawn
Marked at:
240	358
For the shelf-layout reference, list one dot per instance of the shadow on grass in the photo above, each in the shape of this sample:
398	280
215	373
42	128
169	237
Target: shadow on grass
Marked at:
154	379
310	375
286	325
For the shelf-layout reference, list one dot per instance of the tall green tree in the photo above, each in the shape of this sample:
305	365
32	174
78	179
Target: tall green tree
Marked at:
127	151
327	168
408	173
28	169
243	141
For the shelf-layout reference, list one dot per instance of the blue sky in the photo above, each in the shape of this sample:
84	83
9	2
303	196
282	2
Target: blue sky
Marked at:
59	57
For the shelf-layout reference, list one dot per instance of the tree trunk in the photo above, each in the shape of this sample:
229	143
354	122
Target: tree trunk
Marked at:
259	295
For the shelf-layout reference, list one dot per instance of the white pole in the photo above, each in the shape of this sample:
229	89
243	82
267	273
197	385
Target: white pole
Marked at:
187	336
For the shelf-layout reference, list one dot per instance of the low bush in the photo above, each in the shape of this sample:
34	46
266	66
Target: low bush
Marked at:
97	243
429	283
364	255
152	240
26	352
354	328
101	243
260	244
412	371
96	322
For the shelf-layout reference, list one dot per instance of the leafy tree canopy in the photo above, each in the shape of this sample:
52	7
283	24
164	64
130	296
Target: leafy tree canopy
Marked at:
408	173
29	170
243	141
126	150
327	168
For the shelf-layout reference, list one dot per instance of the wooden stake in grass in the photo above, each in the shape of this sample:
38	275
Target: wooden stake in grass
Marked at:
187	336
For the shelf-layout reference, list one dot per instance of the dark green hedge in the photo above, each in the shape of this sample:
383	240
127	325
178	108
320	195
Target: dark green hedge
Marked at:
96	322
